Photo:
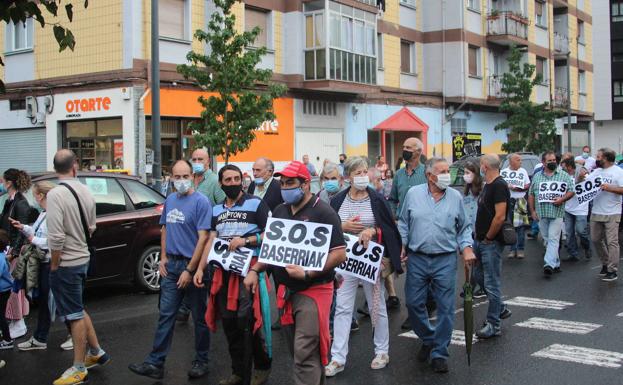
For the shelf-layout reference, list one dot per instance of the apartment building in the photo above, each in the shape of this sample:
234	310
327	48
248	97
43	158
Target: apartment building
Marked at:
362	76
608	88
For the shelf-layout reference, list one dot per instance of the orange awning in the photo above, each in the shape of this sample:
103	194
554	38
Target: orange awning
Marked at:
403	120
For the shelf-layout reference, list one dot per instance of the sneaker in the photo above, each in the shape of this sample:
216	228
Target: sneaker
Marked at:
521	254
72	376
147	370
332	369
2	364
478	294
354	325
506	312
548	271
604	271
488	331
610	276
512	254
557	270
439	365
6	345
68	344
424	353
380	361
232	380
392	302
198	370
92	361
260	377
572	258
32	344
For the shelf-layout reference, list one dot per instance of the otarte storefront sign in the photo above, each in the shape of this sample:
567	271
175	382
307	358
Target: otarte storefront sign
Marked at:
76	106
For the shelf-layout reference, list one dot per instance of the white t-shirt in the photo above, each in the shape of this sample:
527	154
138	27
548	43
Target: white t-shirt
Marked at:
573	207
516	178
589	162
607	203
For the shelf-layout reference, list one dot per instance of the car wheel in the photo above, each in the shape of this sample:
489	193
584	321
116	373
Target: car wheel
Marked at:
147	272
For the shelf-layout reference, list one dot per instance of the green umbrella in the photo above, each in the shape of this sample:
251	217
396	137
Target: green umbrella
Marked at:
468	313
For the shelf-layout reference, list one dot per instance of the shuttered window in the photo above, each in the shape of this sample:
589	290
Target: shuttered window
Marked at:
257	18
172	19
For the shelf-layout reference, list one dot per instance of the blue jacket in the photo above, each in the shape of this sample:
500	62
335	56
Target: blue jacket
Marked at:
6	281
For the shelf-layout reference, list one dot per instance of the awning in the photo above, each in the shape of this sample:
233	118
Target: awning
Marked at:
403	120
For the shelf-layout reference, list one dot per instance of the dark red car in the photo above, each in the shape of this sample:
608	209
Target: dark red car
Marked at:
127	238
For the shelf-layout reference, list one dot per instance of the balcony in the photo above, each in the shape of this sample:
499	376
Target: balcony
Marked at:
561	99
495	87
561	44
561	4
507	28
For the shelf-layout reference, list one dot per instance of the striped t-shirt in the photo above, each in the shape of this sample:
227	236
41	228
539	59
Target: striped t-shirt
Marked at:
362	208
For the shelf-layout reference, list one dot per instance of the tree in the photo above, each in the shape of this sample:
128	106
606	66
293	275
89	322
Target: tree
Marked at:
16	11
244	94
531	125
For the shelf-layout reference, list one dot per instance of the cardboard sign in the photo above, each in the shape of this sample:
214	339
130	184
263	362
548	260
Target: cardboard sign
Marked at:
550	191
363	263
514	178
587	191
237	261
288	242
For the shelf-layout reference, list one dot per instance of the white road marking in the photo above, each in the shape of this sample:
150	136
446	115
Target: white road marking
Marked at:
578	354
458	337
539	303
620	315
561	326
596	267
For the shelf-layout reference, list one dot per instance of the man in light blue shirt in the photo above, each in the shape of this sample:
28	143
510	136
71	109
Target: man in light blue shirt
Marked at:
433	224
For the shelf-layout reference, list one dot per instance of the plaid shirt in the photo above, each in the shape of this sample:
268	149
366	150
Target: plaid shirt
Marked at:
549	210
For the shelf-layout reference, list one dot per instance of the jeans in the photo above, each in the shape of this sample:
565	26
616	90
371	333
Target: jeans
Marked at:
577	224
438	274
4	323
488	273
170	302
67	284
43	317
550	230
521	239
534	228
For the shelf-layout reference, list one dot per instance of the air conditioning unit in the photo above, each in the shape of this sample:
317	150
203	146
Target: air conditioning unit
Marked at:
31	107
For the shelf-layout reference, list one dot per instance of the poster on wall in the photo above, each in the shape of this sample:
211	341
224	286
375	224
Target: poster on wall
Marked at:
466	144
118	153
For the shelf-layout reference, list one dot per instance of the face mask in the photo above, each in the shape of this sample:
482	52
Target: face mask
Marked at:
198	168
292	196
552	166
482	173
585	155
443	181
361	182
407	155
233	191
182	186
341	161
259	181
599	164
2	189
332	186
468	178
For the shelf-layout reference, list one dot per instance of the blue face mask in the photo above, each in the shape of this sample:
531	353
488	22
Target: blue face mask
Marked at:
292	196
198	168
259	181
2	189
331	186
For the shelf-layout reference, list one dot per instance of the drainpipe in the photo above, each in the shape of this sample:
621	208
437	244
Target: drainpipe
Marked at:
141	143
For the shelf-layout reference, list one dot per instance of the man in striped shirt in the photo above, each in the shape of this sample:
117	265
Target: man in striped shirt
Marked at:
549	191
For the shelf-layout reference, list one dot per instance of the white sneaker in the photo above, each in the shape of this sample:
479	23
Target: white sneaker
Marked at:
332	369
380	361
2	363
68	344
17	329
32	344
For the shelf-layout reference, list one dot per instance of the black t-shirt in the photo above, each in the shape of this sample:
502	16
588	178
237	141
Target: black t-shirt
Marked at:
314	211
494	192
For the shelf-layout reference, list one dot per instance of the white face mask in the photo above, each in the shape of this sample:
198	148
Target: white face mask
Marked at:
443	181
182	186
361	182
468	177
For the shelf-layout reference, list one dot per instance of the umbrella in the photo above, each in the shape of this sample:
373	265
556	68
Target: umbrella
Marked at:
468	313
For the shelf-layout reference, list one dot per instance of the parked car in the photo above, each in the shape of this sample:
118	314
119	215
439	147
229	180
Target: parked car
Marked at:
528	161
127	238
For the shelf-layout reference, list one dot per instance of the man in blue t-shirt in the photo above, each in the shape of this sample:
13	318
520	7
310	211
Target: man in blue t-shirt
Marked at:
186	221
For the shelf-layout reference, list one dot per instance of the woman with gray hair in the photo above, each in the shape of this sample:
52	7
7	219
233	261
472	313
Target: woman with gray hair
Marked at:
331	182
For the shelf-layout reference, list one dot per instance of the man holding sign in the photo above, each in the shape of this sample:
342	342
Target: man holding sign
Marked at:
237	225
576	210
518	183
549	191
304	295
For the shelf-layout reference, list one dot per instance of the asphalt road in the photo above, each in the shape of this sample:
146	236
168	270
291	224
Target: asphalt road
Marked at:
582	313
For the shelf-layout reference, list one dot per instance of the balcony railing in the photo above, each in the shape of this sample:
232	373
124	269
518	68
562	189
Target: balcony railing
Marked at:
561	99
495	87
561	44
507	23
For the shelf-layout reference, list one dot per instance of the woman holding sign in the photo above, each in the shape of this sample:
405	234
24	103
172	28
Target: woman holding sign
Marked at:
366	216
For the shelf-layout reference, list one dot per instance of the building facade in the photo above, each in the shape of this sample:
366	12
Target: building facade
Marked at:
362	75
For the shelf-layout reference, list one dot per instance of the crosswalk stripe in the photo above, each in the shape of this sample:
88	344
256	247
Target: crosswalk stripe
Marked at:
578	354
538	303
558	325
620	315
458	337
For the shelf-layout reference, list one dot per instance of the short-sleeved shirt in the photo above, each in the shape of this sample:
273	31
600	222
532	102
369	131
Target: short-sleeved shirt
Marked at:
246	217
514	178
314	211
210	187
184	216
402	183
607	203
549	210
492	194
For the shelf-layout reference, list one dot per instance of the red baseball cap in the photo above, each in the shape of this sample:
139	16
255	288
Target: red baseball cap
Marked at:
295	169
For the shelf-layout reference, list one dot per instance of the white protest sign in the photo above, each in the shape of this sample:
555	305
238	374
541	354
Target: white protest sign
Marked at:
550	191
288	242
587	190
363	263
237	261
514	178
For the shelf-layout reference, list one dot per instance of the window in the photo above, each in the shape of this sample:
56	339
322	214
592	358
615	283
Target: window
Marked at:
617	11
542	69
474	61
172	19
458	125
315	53
379	50
540	10
617	91
258	18
17	104
19	36
141	196
109	197
317	107
407	57
408	2
474	5
581	32
582	82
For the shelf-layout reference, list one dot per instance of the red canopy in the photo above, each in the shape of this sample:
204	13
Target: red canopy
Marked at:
403	120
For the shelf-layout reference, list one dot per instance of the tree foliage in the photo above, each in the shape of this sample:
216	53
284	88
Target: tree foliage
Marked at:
229	69
16	11
531	126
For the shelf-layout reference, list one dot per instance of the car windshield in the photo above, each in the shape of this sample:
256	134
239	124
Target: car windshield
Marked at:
142	196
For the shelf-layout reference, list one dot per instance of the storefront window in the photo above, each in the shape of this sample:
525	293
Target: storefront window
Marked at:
176	140
98	144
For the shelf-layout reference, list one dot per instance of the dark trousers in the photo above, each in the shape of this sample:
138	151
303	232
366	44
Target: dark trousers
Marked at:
4	324
43	316
235	329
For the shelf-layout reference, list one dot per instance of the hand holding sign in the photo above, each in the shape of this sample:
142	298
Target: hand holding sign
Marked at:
237	261
550	192
588	189
362	262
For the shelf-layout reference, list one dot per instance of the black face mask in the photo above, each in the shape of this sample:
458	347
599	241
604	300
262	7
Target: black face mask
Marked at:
233	191
552	166
599	164
341	161
407	155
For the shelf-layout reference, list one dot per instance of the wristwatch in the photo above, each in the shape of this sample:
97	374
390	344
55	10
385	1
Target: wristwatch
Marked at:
247	242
